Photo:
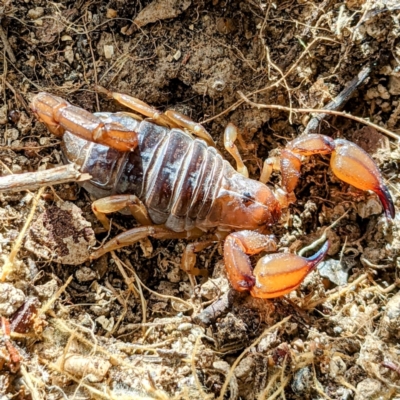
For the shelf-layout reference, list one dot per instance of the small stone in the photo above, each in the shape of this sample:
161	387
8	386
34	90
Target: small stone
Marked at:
214	287
69	54
185	326
111	13
36	13
245	368
334	271
61	234
16	169
226	25
11	299
302	382
85	274
47	290
94	369
336	366
106	323
12	134
368	389
371	207
108	51
158	10
3	114
66	38
394	85
177	55
390	325
384	94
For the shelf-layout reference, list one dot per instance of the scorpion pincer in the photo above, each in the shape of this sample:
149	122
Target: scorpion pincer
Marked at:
179	186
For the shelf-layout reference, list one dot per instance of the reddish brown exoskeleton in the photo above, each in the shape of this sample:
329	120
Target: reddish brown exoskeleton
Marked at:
178	186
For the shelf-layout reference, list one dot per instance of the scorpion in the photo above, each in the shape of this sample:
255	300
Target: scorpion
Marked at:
166	171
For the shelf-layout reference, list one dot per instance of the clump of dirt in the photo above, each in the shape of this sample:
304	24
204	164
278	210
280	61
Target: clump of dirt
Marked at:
133	324
61	234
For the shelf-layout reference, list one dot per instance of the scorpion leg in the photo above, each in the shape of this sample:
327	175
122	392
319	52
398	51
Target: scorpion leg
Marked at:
136	234
230	136
237	247
274	274
193	127
188	260
60	116
115	203
270	164
349	163
139	106
169	119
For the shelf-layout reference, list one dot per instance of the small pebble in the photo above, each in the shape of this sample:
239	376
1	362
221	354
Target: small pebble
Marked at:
11	299
111	13
108	51
69	54
185	326
36	13
94	369
12	134
177	55
85	274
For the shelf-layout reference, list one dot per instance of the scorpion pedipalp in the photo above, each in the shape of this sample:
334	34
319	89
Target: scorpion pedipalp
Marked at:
275	274
280	273
353	165
349	162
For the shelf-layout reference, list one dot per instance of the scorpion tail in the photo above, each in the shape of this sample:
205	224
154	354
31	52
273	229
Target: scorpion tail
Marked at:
60	116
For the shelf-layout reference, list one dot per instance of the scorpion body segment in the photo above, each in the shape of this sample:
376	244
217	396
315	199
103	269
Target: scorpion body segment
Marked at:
183	183
174	184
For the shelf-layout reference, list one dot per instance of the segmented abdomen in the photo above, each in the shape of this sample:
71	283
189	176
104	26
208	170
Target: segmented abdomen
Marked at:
175	176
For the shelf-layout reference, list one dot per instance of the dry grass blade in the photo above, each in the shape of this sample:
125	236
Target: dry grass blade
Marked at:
9	261
245	351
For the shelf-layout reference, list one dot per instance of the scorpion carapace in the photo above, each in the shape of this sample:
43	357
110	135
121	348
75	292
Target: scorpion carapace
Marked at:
177	186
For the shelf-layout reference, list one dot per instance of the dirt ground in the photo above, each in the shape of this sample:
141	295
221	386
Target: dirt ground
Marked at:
133	325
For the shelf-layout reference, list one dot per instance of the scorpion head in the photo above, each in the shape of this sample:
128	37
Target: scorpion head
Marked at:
244	203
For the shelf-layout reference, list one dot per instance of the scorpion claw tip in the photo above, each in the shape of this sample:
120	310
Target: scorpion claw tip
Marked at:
387	201
319	255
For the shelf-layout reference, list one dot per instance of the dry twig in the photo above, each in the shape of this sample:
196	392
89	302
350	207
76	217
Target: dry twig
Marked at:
9	260
6	45
323	111
38	179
